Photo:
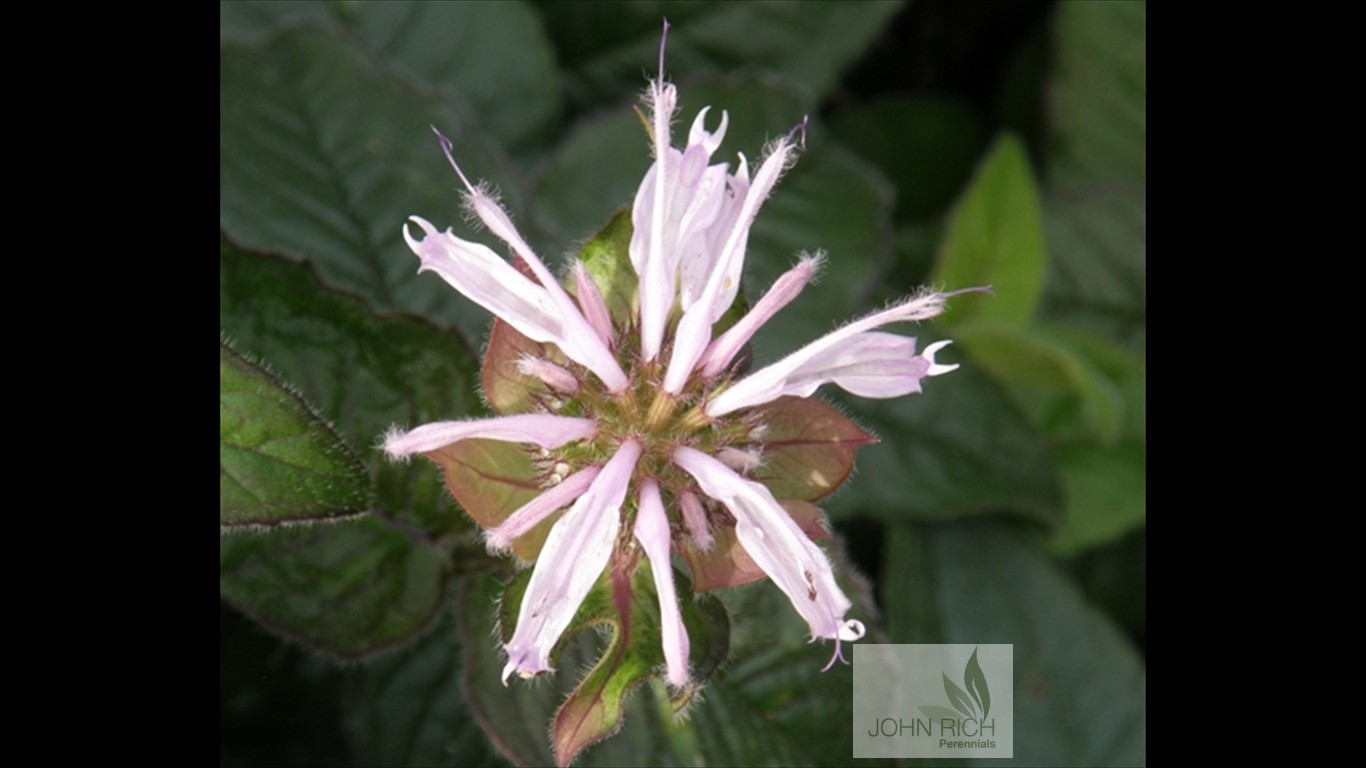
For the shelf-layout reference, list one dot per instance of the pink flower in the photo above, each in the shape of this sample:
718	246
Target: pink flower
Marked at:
635	421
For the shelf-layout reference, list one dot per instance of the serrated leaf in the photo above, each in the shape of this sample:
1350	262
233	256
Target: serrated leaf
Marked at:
278	462
976	682
809	448
324	156
995	237
1080	689
349	589
407	707
365	371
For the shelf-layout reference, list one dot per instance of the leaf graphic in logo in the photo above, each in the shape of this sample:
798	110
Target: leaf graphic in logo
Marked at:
958	698
976	683
936	714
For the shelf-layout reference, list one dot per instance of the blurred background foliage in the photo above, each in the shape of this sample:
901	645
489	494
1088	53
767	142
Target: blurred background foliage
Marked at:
952	143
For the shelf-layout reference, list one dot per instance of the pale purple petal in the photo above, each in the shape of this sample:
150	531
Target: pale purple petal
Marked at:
652	531
803	370
786	288
694	330
590	301
487	280
537	429
578	341
676	204
533	512
479	273
872	364
777	545
553	375
574	556
695	518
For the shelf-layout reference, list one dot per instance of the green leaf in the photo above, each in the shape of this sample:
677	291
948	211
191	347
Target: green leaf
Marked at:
926	145
995	237
348	590
278	462
1097	171
609	48
365	371
493	59
596	705
808	448
976	682
1107	494
769	704
961	448
353	588
407	707
324	156
1080	689
594	710
607	257
1047	373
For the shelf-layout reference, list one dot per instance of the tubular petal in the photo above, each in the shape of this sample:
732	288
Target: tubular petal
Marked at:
652	531
533	512
777	545
797	371
786	288
539	429
574	556
694	330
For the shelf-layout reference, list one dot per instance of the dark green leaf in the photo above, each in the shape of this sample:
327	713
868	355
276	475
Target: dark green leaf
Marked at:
926	145
407	707
1080	690
278	462
324	156
960	448
769	705
1097	171
1107	494
348	589
492	58
609	48
352	588
364	371
995	237
1049	376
